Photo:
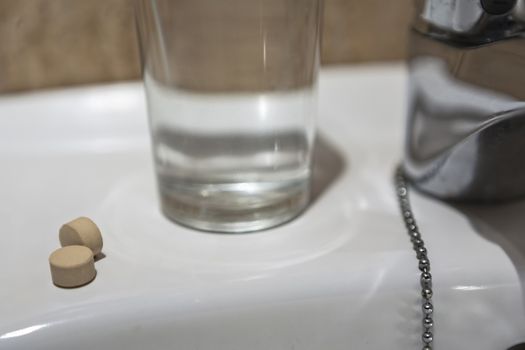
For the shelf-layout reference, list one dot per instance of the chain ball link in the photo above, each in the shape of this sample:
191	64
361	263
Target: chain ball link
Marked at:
426	285
421	252
428	309
427	347
426	293
414	235
427	337
426	280
428	322
424	265
418	243
426	276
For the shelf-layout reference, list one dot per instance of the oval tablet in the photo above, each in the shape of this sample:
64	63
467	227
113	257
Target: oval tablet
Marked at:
81	231
72	266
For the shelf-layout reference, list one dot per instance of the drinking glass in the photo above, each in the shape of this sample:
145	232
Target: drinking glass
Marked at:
231	92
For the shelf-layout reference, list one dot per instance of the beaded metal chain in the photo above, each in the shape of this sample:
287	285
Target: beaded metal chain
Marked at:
422	257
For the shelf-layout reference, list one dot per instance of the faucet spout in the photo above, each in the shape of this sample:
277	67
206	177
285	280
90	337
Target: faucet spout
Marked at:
465	137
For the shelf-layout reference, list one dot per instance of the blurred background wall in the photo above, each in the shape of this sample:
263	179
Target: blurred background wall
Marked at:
50	43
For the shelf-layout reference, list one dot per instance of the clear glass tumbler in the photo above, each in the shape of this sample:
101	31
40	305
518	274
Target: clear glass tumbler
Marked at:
231	90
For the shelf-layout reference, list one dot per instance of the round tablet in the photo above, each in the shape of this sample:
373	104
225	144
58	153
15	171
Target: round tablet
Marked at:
72	266
81	231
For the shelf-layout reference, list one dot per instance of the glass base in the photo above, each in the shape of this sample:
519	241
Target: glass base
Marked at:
234	208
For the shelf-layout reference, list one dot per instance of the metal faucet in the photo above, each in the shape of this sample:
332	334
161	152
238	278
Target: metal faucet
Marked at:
465	136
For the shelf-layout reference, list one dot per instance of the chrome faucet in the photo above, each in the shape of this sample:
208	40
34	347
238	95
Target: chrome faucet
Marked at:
465	136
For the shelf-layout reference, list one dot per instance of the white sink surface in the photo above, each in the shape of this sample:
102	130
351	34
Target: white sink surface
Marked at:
341	276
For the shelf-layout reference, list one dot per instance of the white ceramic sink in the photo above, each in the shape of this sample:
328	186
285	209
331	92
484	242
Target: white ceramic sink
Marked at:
341	276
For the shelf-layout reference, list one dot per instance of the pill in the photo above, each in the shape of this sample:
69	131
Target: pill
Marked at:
81	231
72	266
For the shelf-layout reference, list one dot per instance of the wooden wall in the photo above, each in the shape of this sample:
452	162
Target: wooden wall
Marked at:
50	43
